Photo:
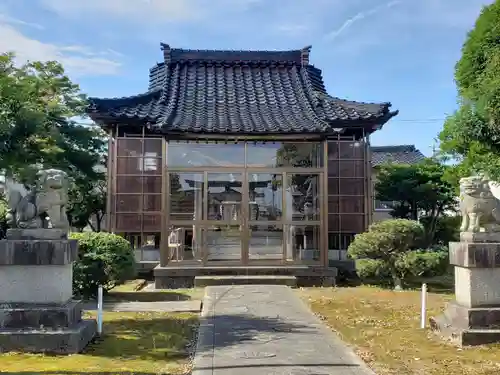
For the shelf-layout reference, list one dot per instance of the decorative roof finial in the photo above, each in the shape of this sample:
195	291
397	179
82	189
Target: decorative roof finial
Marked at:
304	55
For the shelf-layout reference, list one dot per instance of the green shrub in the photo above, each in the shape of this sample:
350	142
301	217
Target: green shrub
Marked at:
372	269
424	263
104	259
385	242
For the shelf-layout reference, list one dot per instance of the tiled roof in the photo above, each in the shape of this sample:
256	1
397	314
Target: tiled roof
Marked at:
235	92
400	154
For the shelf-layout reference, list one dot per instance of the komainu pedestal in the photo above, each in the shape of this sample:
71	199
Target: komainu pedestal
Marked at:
37	310
37	313
474	317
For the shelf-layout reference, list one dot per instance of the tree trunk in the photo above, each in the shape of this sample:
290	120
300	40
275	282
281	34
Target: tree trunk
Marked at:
432	227
398	283
414	211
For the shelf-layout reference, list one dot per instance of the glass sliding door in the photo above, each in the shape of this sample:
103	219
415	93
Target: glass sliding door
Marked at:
265	212
223	236
244	203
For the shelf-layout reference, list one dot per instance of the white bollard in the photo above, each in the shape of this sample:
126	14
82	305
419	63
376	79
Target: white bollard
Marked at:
423	312
99	310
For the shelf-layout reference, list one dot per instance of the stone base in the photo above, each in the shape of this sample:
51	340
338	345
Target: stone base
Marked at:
183	276
36	234
36	284
468	325
36	271
204	281
40	316
64	341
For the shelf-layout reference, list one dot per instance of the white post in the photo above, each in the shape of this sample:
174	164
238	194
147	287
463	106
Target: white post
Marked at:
99	310
424	306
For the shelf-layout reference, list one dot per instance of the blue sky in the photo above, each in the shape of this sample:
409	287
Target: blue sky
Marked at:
402	51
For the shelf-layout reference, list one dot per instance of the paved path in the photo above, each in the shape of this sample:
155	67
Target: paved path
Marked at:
167	306
267	330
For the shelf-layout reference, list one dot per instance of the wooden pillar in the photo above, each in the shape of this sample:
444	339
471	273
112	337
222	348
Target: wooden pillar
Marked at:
165	191
324	213
368	184
114	171
109	180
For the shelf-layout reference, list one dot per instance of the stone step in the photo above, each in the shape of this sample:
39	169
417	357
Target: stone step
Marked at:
203	281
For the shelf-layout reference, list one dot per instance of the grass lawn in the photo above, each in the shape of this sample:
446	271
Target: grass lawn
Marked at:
383	328
145	343
129	292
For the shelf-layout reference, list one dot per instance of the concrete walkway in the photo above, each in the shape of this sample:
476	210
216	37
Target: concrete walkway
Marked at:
267	330
166	306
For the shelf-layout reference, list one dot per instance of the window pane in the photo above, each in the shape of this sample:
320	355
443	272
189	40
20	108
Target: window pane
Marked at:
186	196
348	168
151	222
302	197
128	203
339	241
346	150
285	154
185	242
333	186
153	146
352	223
266	242
265	196
184	154
151	184
333	222
224	196
352	204
129	166
129	146
128	184
351	186
223	242
302	242
128	223
152	202
133	147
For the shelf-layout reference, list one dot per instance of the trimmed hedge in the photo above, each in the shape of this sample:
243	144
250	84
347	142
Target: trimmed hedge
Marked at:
104	259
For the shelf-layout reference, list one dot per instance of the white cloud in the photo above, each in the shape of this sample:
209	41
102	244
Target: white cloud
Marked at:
360	16
4	18
77	60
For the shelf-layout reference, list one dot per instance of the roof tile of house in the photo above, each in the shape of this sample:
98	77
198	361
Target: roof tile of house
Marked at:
235	92
400	154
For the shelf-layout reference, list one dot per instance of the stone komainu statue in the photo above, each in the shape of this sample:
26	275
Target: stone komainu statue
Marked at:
479	207
43	206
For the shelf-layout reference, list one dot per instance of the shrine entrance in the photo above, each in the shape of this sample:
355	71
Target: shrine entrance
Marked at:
248	215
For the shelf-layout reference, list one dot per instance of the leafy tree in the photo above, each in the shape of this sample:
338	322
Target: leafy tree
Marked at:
37	103
383	247
471	135
416	190
87	204
3	219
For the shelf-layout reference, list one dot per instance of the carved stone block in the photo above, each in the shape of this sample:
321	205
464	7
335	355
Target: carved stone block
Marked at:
39	252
